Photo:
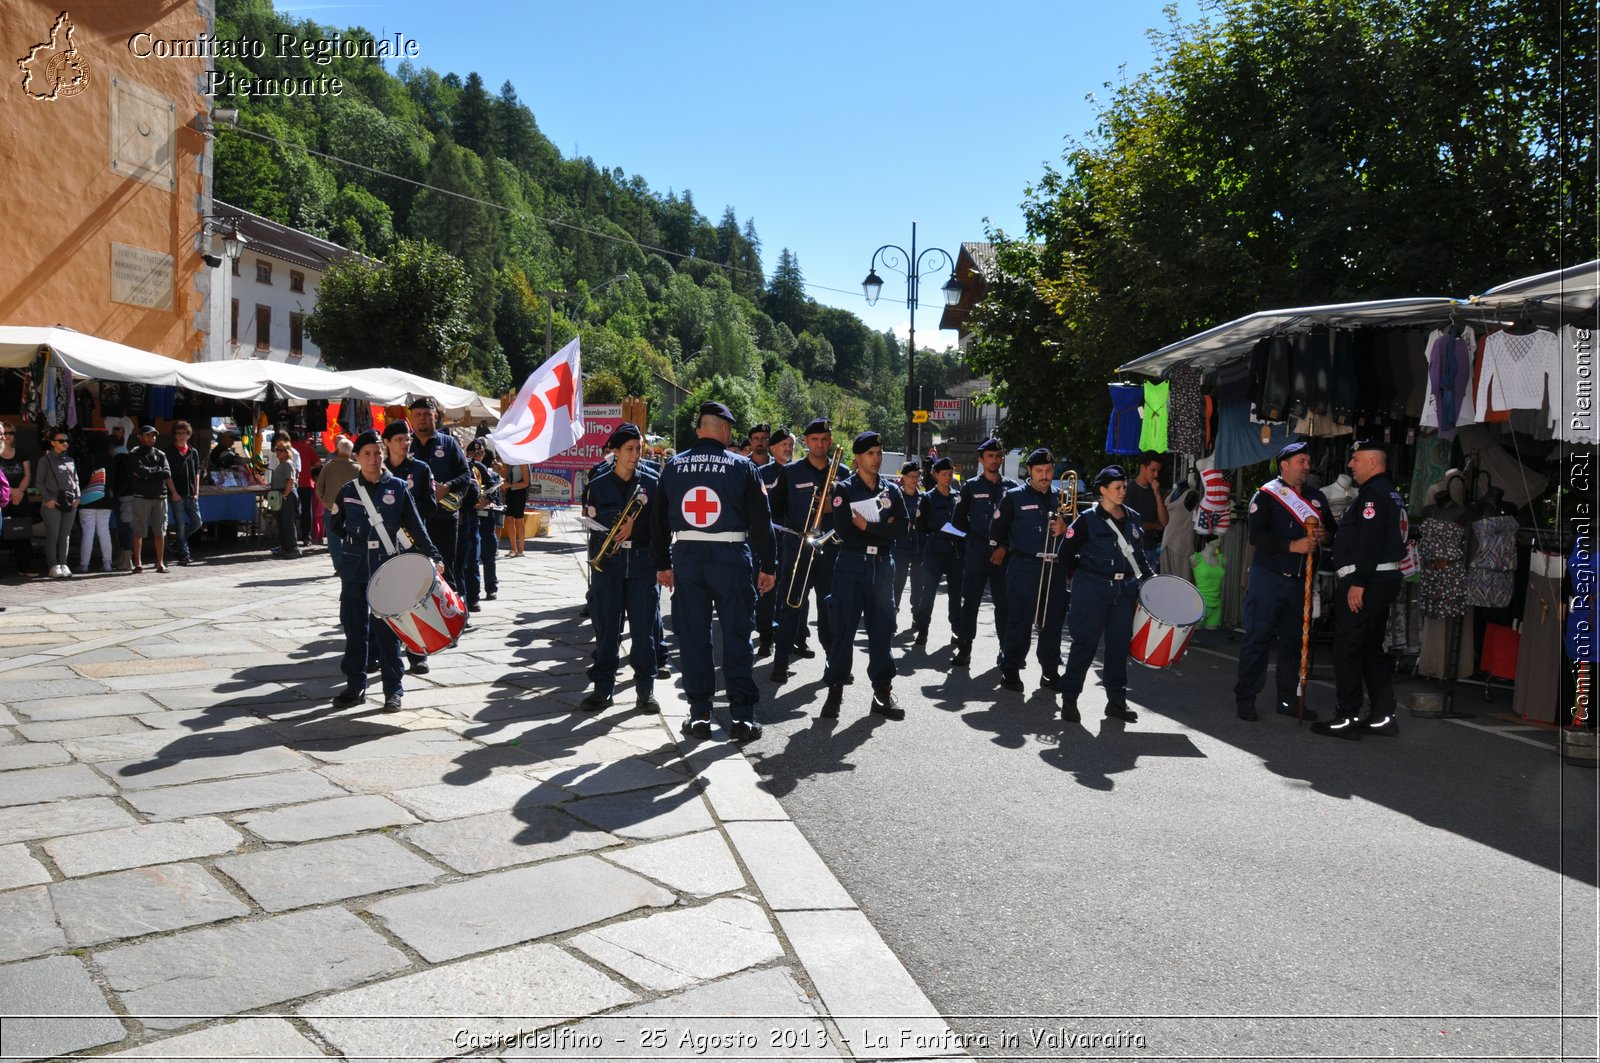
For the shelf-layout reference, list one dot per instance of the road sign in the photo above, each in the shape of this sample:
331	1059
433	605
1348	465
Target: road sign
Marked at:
919	416
946	409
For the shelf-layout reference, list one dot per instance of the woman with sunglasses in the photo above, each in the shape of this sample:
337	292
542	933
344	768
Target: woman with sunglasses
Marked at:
283	481
59	492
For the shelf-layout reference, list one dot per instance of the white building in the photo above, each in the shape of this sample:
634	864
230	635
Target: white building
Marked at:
259	301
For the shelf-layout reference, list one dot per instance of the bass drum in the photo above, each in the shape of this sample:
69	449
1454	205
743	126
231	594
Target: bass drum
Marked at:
407	594
1169	609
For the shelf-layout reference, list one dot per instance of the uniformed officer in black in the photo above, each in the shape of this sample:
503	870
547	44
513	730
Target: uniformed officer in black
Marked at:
980	497
1025	535
941	553
775	448
1274	603
1366	556
399	461
1102	547
793	496
363	554
908	548
711	526
625	582
863	576
451	473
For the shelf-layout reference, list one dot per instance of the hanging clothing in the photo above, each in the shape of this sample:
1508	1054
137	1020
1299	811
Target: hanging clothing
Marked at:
1433	460
1213	515
1448	401
1177	538
1269	364
1239	441
1122	434
1436	647
1491	573
1518	370
1208	579
1153	432
1521	484
1186	429
1442	545
1537	695
1342	404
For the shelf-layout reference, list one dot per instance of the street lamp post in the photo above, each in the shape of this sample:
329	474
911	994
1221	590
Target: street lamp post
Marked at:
873	287
550	309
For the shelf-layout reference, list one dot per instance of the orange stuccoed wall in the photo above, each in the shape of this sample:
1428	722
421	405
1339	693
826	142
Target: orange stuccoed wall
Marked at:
103	170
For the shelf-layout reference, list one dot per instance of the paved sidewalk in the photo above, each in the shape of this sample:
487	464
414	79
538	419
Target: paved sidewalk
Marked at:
200	858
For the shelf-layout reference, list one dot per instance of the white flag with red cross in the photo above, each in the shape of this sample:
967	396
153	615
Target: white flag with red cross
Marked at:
547	416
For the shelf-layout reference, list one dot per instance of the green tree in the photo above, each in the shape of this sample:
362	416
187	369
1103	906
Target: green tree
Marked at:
786	294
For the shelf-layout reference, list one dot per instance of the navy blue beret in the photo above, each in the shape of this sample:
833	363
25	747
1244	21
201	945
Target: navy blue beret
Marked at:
717	409
866	441
944	465
818	426
1291	450
623	434
1109	474
991	444
1041	456
910	466
367	438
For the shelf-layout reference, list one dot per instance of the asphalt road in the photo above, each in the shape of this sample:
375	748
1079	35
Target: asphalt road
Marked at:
1194	885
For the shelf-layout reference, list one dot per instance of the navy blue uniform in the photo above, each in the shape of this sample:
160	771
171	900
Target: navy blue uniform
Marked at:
1367	554
1105	595
625	584
941	560
449	464
863	577
908	554
476	546
1022	526
1274	601
766	604
419	484
980	498
711	527
792	496
363	553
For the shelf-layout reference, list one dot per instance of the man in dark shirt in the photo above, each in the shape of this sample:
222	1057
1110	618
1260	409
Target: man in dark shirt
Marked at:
150	484
980	498
1144	498
185	463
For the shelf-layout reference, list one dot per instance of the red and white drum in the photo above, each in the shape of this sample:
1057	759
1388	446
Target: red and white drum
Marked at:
407	594
1169	609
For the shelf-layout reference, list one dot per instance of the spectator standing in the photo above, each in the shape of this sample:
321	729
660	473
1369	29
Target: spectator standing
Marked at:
57	476
94	510
5	499
336	472
310	463
486	512
185	463
19	476
150	485
282	484
516	479
122	489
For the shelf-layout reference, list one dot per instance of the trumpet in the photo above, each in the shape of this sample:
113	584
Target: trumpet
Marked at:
613	541
812	537
1066	510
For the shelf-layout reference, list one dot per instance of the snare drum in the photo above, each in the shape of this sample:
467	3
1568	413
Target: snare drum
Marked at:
407	594
1169	609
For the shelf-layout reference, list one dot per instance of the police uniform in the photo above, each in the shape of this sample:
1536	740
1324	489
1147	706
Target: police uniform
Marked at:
1105	595
941	558
766	604
419	485
624	585
980	497
863	582
449	464
1366	554
1274	602
477	537
1022	528
793	496
363	554
711	527
908	548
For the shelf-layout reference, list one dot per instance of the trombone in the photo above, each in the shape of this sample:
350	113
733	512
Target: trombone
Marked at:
812	537
613	541
1067	510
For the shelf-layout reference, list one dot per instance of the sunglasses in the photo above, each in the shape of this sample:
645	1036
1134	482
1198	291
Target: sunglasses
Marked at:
62	441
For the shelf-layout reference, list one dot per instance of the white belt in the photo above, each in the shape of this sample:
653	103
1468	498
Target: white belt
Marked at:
711	537
1387	566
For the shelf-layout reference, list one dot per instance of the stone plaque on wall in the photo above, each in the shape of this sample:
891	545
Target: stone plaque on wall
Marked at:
143	134
141	277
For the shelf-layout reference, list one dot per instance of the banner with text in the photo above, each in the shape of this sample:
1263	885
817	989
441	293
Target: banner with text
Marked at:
598	424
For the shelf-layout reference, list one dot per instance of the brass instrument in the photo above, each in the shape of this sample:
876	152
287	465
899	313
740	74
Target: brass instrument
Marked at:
812	536
1067	510
613	542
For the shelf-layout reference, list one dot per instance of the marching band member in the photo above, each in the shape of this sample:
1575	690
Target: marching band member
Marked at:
625	582
792	498
1366	556
908	548
1024	536
780	451
863	577
450	474
399	461
980	497
941	553
711	526
1103	546
1288	521
364	551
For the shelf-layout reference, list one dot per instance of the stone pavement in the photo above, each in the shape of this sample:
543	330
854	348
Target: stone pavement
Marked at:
199	858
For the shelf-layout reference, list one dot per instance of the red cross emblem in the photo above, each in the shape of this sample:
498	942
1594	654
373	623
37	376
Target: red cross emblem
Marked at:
701	506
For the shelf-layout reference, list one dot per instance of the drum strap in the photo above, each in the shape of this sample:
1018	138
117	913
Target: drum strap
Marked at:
377	521
1122	544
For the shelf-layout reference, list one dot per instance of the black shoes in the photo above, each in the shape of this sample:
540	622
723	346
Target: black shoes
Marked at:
420	666
1118	710
1010	680
802	651
830	708
744	731
1069	712
763	646
350	699
696	729
372	667
1340	727
474	607
488	596
648	703
780	669
596	702
963	655
1385	725
920	638
1049	682
1290	708
391	703
1247	710
884	705
663	672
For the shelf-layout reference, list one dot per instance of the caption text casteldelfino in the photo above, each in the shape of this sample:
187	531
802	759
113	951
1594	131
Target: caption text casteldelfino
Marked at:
320	51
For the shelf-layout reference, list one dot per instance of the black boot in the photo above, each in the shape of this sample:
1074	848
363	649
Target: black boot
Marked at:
1118	710
1339	727
1069	711
920	635
780	669
1011	680
1049	682
743	731
763	646
595	702
1247	710
884	705
830	708
1291	707
963	655
1381	724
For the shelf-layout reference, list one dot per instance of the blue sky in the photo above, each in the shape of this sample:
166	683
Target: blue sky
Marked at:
834	125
